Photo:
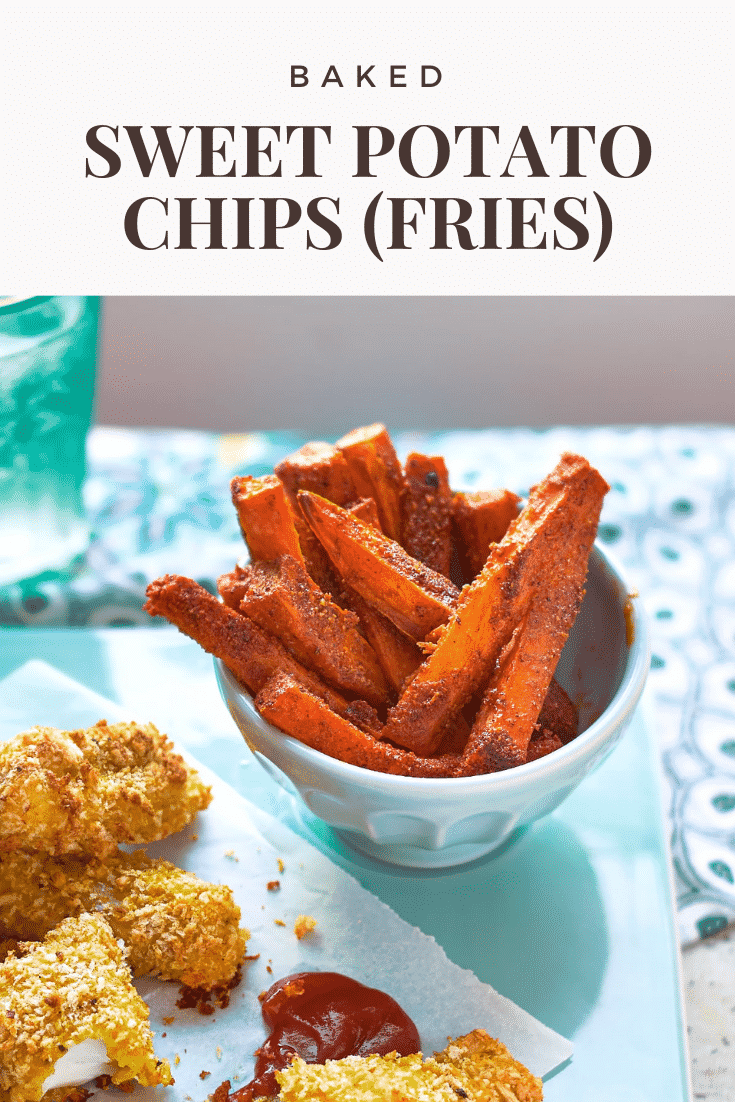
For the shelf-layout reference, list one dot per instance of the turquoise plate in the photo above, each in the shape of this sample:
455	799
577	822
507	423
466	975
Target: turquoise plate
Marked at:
574	921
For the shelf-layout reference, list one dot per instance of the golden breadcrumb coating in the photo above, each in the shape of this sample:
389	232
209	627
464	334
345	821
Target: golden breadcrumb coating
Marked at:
474	1067
73	987
304	925
83	792
176	926
491	1071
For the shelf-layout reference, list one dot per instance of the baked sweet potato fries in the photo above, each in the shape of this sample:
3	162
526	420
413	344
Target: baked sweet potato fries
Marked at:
394	624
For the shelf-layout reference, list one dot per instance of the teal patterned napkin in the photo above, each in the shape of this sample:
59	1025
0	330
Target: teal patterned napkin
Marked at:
159	503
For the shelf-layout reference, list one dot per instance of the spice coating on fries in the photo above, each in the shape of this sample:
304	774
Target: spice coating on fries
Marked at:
368	651
561	513
282	599
266	519
411	595
427	512
322	469
289	706
174	925
252	654
481	519
75	986
83	792
376	473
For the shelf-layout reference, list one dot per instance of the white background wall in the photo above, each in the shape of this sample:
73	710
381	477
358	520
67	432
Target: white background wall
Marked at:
323	364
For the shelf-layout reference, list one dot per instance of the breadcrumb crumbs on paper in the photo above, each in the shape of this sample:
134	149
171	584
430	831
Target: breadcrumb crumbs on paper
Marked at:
169	1020
207	999
204	1074
273	885
68	1094
278	922
269	970
303	925
177	1059
218	1050
281	866
230	854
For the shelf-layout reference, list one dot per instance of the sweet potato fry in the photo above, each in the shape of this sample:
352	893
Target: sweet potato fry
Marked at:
250	653
480	519
365	510
398	655
232	587
376	473
266	518
505	722
427	511
556	725
283	600
322	469
564	507
415	598
291	707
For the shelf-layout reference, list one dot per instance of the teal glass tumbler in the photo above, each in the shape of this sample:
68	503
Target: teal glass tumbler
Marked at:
48	353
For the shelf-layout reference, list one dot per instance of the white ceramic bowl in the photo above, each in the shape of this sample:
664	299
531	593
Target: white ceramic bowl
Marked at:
435	823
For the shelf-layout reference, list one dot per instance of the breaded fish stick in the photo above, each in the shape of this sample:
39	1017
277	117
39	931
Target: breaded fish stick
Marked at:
175	926
73	987
427	511
474	1067
415	598
557	514
83	792
249	652
293	709
266	518
376	473
282	599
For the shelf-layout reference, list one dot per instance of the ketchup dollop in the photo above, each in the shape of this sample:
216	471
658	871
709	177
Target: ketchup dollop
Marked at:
325	1016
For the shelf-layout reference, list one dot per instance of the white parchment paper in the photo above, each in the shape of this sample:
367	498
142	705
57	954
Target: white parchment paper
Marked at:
235	843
